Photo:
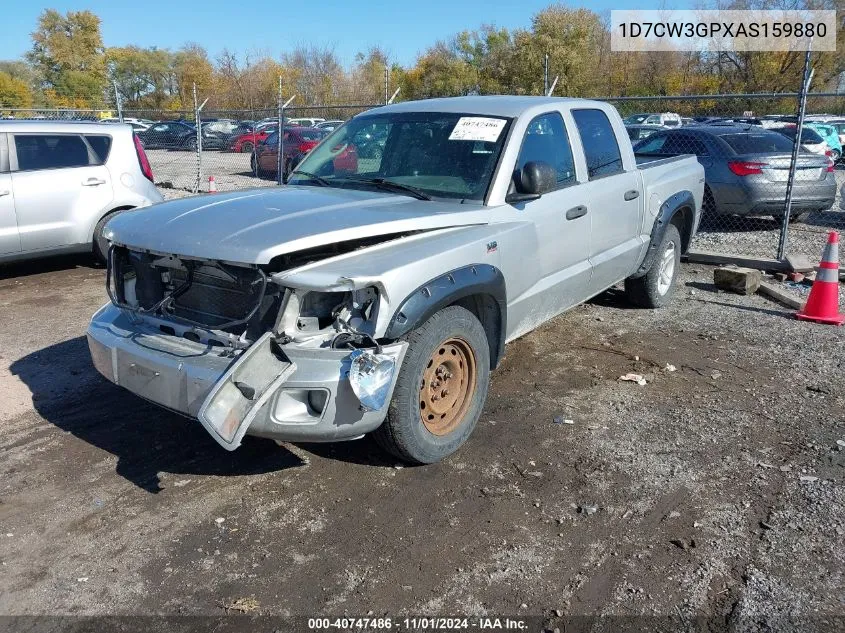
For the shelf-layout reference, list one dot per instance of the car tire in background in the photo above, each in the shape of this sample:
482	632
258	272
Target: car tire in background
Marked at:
441	388
656	287
190	144
255	166
247	147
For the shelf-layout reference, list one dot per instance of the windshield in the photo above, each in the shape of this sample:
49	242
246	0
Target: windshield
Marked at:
312	135
635	119
441	154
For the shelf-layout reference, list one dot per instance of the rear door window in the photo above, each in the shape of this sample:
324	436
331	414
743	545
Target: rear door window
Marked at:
50	151
101	144
599	141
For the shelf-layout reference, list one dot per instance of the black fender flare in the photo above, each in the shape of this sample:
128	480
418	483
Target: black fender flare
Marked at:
668	210
450	288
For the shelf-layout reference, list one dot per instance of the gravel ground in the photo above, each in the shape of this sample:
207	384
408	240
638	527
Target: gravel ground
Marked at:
713	495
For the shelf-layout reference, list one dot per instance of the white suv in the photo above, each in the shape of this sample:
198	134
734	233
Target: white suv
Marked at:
61	181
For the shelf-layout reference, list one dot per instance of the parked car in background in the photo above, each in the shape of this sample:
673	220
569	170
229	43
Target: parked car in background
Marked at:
60	182
639	132
180	135
379	301
830	134
137	124
839	124
329	125
810	139
665	119
169	135
746	169
305	121
685	120
248	141
298	141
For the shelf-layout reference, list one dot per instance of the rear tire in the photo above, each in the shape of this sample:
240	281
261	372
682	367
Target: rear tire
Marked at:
247	147
190	144
656	287
441	388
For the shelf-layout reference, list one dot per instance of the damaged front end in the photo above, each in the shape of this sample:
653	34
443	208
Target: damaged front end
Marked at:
231	345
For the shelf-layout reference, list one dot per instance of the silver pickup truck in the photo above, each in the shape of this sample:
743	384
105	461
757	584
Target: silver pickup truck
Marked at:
376	291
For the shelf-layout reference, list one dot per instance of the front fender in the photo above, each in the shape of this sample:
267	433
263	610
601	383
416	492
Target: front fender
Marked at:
474	280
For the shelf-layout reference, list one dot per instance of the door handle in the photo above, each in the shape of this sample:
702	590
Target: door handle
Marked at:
4	192
576	212
632	194
93	182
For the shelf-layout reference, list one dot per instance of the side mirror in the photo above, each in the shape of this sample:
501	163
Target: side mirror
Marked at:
532	181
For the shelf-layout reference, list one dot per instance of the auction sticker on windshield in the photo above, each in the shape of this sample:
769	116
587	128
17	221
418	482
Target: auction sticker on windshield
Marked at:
477	128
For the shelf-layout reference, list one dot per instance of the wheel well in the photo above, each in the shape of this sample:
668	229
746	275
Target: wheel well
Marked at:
683	220
487	311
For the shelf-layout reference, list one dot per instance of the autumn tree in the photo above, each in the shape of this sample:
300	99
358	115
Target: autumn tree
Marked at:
14	93
67	53
143	76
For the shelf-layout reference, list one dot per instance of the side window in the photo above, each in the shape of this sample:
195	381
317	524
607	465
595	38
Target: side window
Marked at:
546	141
101	144
163	127
46	151
599	142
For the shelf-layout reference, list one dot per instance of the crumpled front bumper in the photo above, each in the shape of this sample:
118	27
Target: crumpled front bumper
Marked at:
312	402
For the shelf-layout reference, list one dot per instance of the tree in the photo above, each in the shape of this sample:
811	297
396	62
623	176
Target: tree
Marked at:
190	67
142	75
67	52
14	93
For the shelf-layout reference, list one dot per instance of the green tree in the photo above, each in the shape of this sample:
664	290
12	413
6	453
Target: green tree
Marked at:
67	52
191	66
142	75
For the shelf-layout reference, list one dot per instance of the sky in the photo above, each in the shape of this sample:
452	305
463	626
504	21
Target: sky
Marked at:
402	29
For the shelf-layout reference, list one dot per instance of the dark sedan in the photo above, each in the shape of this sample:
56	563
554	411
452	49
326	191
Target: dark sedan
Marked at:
178	135
746	169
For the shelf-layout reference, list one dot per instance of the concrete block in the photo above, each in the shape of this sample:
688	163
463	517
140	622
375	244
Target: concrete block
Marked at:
744	281
799	263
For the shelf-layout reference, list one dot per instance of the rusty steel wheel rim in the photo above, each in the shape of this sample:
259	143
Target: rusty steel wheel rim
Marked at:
448	386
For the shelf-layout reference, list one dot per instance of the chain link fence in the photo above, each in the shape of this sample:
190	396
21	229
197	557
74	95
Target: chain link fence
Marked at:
744	142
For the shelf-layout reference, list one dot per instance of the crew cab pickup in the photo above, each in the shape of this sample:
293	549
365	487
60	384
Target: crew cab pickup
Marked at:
376	291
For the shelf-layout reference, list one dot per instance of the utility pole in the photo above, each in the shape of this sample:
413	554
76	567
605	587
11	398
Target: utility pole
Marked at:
546	74
386	82
280	160
117	102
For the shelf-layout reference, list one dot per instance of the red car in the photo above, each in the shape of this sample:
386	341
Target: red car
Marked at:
247	142
298	142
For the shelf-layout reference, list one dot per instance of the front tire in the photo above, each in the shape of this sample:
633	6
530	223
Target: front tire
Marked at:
247	147
656	287
441	388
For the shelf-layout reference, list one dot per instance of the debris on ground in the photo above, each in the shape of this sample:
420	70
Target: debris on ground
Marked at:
670	367
219	520
241	605
637	378
744	281
589	510
559	419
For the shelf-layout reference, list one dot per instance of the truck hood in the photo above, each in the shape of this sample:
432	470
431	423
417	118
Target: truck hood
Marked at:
255	225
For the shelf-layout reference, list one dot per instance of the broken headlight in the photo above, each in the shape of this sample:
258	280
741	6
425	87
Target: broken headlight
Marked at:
370	377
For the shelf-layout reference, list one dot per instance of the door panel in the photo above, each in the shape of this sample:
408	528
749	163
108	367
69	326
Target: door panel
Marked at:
615	201
56	207
615	243
557	268
9	239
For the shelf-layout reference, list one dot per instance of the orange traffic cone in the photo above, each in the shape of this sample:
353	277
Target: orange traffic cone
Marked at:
212	185
823	304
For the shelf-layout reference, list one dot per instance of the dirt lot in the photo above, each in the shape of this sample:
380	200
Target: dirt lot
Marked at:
713	492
